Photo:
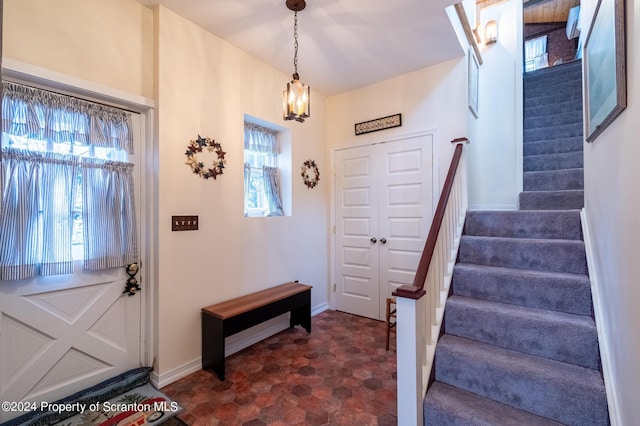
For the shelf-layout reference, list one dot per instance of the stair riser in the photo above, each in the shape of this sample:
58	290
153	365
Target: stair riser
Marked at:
552	109
561	161
552	120
539	255
553	132
564	399
523	224
574	67
554	180
551	200
548	87
524	330
554	146
569	294
552	98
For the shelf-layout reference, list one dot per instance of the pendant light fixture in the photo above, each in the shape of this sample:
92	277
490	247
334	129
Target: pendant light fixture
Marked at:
295	99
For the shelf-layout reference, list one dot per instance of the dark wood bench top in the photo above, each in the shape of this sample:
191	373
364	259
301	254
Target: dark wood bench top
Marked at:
243	304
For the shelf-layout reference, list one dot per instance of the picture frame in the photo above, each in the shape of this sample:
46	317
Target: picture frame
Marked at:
604	61
378	124
473	83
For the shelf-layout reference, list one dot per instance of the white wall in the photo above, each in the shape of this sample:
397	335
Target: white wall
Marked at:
430	98
612	209
495	156
205	86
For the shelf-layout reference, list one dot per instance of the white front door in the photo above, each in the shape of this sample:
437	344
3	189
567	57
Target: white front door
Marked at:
64	333
383	209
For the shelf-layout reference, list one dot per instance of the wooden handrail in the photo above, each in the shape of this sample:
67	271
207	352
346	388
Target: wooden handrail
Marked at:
416	290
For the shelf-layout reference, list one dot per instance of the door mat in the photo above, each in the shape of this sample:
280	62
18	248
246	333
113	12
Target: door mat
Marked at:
144	405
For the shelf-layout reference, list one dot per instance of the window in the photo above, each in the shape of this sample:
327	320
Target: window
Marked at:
262	194
67	188
535	54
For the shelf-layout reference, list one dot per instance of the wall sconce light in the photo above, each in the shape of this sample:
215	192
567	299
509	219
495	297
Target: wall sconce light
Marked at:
491	32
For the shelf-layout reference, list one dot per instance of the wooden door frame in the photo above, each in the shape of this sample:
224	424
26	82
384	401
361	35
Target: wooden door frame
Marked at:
435	191
41	77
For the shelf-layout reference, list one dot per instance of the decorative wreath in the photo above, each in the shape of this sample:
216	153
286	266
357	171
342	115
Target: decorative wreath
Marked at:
310	173
197	146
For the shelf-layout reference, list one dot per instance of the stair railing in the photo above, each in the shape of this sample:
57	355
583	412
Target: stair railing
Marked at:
419	318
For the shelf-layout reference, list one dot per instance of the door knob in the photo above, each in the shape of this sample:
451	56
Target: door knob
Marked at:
373	240
383	240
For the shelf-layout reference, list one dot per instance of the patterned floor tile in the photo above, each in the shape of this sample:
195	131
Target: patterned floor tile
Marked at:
339	374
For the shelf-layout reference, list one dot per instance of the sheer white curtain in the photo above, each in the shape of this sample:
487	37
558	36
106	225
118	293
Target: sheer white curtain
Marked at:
39	186
272	189
535	53
258	139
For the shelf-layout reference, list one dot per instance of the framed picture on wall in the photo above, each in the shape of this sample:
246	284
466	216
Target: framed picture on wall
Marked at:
473	75
604	68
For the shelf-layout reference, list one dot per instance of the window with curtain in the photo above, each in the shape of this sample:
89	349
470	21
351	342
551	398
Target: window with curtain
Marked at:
67	187
262	195
535	54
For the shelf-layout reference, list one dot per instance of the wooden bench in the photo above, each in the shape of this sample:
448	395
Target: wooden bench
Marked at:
227	318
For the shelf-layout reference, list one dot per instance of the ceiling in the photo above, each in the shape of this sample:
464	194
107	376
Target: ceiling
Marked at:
544	11
343	44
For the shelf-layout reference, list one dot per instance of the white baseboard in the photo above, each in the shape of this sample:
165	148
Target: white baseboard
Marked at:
602	326
233	344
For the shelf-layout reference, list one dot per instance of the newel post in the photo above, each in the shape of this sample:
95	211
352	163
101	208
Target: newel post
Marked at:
409	349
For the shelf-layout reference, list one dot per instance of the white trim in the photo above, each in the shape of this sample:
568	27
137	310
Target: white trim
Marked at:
20	71
233	344
601	326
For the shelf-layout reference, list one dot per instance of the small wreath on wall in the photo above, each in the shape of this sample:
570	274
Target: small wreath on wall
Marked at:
198	146
310	173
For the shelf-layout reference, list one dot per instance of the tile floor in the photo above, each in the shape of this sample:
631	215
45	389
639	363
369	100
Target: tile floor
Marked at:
339	374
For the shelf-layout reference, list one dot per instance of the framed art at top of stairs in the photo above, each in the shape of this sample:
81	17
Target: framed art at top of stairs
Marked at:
604	68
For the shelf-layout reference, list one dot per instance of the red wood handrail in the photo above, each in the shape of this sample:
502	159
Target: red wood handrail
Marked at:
416	290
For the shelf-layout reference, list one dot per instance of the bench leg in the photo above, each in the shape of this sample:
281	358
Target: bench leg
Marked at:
213	345
301	316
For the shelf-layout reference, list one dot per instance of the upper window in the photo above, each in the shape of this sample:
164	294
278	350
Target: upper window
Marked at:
262	194
535	54
67	188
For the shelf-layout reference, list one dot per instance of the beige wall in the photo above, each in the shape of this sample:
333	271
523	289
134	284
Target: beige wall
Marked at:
200	85
612	208
105	42
430	98
205	86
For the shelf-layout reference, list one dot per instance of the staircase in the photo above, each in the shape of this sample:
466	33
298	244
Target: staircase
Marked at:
519	343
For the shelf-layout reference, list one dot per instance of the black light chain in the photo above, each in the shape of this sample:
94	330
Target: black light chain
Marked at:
295	43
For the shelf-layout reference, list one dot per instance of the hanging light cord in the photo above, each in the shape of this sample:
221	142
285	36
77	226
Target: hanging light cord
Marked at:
295	44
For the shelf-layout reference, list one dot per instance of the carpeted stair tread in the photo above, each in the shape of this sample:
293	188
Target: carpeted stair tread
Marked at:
567	70
552	224
553	132
537	254
544	121
554	180
552	98
563	392
554	146
554	335
552	200
448	405
561	292
560	161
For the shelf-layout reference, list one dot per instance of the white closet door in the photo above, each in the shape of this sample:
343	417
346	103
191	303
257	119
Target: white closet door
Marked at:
406	210
357	289
383	211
